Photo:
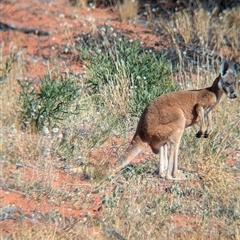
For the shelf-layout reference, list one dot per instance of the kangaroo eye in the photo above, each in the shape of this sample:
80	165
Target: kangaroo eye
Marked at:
227	84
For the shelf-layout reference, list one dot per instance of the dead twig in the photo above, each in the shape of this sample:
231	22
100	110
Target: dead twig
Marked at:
11	26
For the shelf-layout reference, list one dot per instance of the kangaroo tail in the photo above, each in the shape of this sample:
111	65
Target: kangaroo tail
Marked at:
133	150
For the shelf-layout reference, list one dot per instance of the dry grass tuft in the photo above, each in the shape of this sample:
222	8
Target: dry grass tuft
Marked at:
210	31
228	30
127	10
79	3
117	95
12	69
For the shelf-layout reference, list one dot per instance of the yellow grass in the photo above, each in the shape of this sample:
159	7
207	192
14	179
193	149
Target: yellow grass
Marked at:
210	31
127	10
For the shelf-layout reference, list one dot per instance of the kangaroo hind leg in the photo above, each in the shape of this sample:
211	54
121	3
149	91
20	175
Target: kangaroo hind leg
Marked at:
163	160
173	173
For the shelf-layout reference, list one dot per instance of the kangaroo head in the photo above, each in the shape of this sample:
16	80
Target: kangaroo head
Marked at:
227	82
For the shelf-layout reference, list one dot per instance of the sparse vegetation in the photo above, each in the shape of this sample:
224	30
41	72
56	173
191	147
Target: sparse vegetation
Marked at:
49	103
62	170
203	31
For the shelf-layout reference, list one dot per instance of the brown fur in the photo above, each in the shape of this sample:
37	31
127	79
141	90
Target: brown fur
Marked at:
163	121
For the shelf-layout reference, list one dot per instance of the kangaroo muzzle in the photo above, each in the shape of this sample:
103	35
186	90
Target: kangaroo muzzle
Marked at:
230	92
232	95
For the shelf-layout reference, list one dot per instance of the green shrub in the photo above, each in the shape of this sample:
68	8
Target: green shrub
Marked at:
109	59
49	104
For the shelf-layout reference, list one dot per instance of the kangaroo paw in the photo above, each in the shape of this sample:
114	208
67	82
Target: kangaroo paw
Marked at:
198	134
205	135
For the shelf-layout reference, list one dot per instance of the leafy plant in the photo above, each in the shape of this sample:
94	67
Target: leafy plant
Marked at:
108	60
51	103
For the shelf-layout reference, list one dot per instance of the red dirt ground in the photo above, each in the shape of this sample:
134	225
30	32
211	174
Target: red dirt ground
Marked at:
63	22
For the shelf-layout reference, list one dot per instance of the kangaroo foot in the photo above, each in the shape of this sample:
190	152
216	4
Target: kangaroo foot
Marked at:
162	174
179	176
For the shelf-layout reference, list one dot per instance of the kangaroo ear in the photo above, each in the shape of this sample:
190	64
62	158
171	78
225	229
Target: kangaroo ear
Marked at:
228	66
224	68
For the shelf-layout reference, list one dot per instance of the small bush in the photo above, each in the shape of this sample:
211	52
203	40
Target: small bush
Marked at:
53	102
147	74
